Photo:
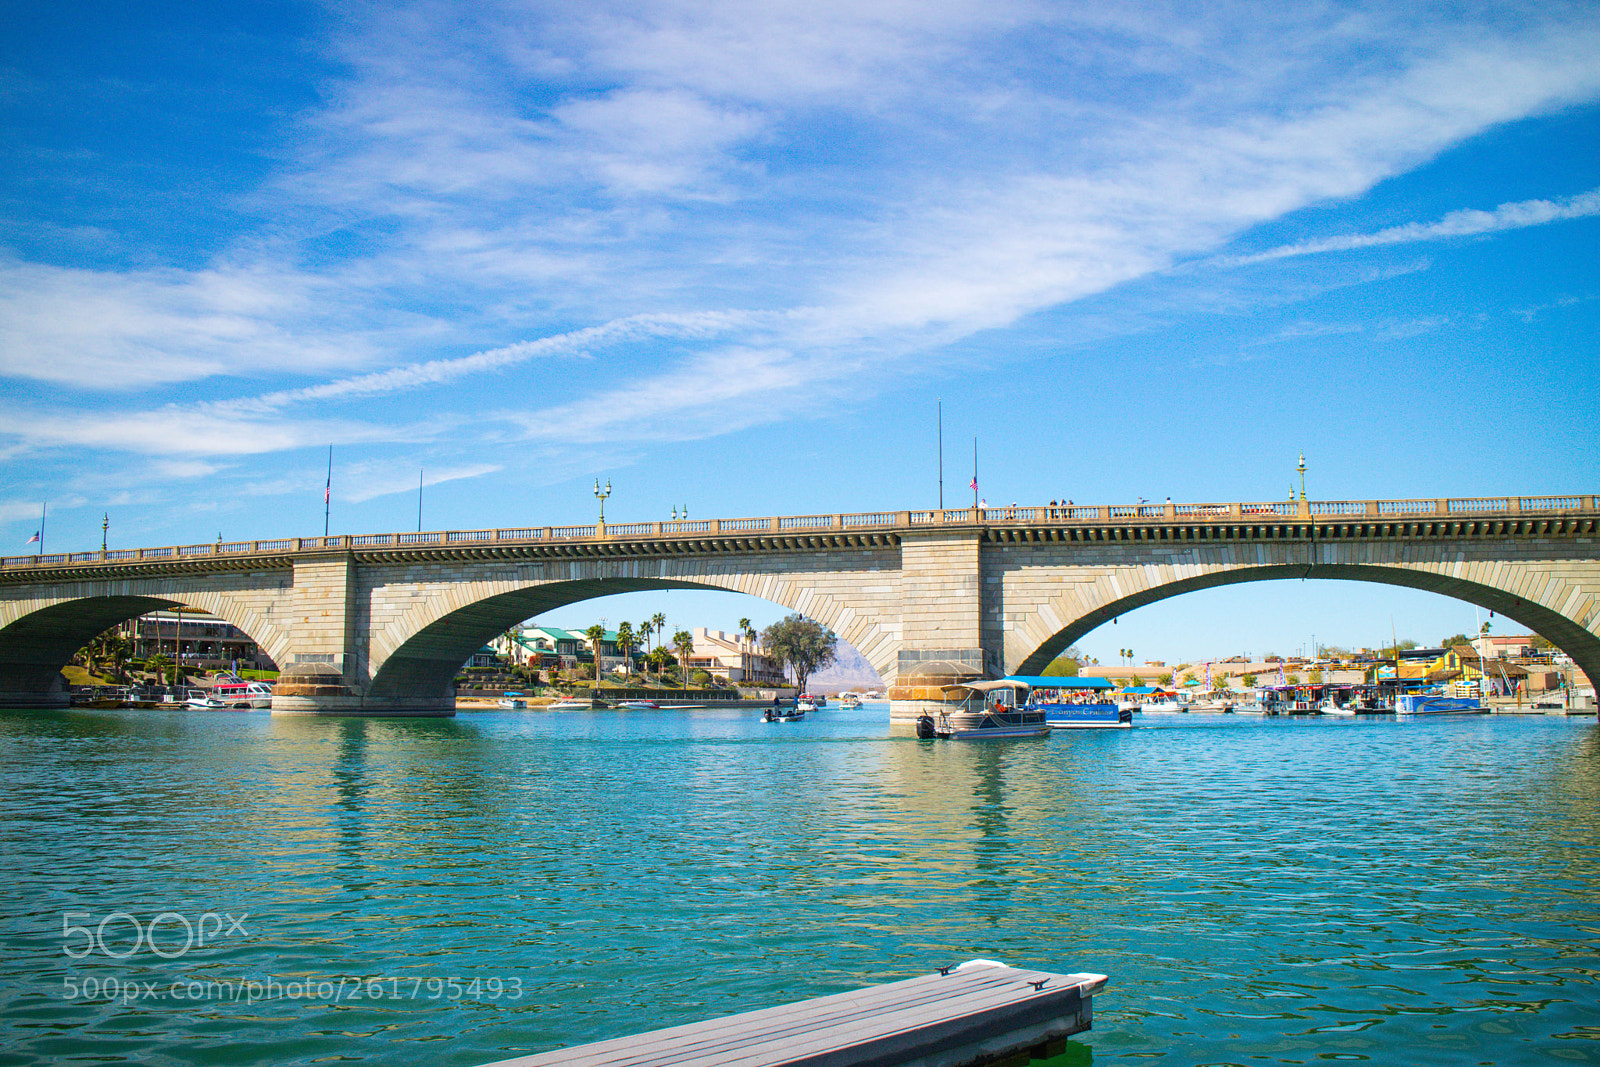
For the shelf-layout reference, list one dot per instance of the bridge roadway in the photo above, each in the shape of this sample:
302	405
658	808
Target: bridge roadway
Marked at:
379	624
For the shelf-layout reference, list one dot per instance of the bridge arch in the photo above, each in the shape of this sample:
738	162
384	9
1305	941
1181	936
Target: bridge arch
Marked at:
421	634
39	634
1558	608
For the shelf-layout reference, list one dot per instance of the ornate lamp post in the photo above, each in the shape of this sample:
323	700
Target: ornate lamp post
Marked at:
105	525
601	494
1305	509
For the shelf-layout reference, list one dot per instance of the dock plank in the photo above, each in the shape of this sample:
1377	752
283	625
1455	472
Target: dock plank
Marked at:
979	1011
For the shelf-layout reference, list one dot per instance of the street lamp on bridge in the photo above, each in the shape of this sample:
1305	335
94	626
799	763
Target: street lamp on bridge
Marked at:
601	496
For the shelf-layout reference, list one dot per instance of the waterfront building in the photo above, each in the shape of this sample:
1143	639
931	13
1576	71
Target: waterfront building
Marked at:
734	659
201	640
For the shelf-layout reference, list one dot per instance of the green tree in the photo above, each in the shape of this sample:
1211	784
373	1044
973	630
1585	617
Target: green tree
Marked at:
596	635
661	659
1164	679
1190	679
114	650
1315	677
1249	681
1294	679
625	643
801	645
1135	681
683	641
1063	666
658	623
1067	665
1457	639
160	664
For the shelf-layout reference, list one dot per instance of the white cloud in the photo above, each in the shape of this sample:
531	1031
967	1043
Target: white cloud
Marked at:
366	481
1468	222
97	329
757	199
181	432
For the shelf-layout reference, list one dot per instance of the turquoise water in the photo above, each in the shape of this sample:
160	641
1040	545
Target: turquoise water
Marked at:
1259	891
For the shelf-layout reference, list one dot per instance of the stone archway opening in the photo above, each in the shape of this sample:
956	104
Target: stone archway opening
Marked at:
36	645
1565	633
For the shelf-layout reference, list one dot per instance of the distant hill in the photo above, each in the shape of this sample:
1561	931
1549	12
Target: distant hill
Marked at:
848	671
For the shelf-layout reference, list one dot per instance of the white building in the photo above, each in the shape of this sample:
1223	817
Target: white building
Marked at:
734	658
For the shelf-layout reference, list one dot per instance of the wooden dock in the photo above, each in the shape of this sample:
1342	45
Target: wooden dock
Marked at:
980	1012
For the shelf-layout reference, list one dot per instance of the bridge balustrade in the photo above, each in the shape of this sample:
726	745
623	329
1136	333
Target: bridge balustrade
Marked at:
856	520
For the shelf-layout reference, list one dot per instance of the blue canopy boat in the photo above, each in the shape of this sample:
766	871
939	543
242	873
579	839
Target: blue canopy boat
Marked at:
1074	703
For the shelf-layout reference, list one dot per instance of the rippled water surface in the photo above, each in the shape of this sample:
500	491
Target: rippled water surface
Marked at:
1259	891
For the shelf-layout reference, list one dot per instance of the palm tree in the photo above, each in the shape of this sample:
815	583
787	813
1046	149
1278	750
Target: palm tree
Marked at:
159	663
745	631
625	645
658	658
658	623
114	647
596	634
683	641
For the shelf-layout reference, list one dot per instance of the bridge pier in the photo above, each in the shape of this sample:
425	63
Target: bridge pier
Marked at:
942	638
319	689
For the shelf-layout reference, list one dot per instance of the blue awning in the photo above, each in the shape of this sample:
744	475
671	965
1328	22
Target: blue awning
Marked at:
1039	681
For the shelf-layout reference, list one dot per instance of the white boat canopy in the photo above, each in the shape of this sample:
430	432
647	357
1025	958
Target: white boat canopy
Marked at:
989	687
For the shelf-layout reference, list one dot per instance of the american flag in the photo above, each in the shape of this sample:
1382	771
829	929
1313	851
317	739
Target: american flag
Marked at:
32	540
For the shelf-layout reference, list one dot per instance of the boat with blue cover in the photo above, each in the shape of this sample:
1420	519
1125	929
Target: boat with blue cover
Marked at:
1412	704
1074	703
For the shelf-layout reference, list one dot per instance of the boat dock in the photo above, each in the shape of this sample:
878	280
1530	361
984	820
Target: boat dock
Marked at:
978	1013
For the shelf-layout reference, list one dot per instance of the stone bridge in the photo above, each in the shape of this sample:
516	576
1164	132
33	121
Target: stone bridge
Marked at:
379	624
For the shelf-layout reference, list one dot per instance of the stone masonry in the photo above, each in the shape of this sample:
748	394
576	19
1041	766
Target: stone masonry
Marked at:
384	631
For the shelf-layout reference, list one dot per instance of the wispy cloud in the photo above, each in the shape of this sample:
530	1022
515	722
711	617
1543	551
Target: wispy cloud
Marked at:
745	203
367	481
1468	222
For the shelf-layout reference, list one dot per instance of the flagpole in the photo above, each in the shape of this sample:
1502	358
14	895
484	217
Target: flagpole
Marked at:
43	508
974	472
941	455
419	500
327	495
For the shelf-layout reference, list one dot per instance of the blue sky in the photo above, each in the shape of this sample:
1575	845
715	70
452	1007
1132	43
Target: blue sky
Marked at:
732	256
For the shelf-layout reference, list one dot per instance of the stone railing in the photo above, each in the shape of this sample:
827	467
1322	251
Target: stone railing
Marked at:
1064	514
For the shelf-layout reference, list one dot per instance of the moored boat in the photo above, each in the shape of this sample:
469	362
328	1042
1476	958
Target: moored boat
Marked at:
201	700
1412	704
241	695
849	700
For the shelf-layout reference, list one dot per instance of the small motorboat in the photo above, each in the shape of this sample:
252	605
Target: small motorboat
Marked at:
639	705
781	715
201	700
512	702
